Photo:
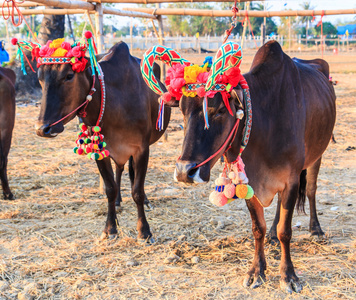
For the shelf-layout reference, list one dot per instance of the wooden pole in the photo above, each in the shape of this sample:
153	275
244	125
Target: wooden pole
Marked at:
241	13
289	35
247	6
99	27
131	33
91	25
164	1
67	4
161	41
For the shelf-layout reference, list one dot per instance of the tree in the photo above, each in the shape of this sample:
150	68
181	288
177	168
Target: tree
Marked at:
328	29
52	27
306	19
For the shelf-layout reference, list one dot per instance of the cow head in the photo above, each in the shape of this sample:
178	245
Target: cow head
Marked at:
199	143
63	90
209	107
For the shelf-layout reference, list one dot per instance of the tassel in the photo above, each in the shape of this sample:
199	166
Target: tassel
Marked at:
160	119
205	111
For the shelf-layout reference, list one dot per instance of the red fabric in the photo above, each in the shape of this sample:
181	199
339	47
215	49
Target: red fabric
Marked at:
35	53
46	51
66	46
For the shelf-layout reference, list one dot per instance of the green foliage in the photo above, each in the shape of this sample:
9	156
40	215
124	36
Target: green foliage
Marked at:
328	29
286	22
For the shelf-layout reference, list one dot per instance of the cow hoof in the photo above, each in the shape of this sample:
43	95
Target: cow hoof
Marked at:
112	236
291	286
252	281
103	236
148	241
9	196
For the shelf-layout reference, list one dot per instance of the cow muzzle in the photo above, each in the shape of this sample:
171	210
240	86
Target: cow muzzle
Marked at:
45	130
187	172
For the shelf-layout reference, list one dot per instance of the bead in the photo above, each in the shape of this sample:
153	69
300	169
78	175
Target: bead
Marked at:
89	97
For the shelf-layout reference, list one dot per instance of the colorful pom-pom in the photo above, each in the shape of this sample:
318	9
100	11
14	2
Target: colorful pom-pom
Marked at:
80	151
75	150
96	129
14	41
229	190
95	146
88	34
250	192
81	141
220	200
241	191
232	175
83	127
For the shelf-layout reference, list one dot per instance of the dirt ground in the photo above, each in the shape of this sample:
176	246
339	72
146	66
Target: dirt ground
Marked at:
49	236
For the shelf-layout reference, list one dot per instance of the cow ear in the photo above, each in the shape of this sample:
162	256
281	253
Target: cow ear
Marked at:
98	57
237	96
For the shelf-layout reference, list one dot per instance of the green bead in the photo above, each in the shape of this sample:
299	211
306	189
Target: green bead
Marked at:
96	138
250	192
89	155
75	150
104	144
87	141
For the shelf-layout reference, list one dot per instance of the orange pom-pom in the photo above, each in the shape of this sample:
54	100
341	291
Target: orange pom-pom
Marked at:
241	191
229	190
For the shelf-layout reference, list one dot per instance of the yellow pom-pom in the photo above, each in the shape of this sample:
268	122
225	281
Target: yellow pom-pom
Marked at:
56	43
241	191
60	52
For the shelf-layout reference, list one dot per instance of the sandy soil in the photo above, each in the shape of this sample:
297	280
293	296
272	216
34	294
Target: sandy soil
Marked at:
49	236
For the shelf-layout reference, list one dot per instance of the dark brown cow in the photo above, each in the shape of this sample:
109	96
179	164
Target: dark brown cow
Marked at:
128	123
293	108
7	121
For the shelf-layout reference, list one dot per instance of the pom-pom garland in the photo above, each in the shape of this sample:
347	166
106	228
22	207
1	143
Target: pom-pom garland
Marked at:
231	187
14	41
91	145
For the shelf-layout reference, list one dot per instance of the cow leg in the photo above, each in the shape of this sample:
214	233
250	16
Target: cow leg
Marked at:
272	235
256	275
5	143
132	178
139	165
289	281
312	177
111	189
119	170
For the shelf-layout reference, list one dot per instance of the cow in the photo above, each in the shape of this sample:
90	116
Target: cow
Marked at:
128	123
7	121
293	115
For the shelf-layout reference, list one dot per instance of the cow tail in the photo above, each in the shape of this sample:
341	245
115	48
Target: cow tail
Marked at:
302	191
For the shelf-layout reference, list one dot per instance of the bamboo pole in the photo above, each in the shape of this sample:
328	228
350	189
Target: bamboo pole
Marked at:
99	26
241	13
247	6
165	1
67	4
64	11
91	25
28	4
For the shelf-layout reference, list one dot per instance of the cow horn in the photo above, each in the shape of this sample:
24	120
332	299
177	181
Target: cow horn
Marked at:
162	53
228	56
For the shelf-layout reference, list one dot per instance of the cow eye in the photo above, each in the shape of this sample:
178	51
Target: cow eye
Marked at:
221	111
69	76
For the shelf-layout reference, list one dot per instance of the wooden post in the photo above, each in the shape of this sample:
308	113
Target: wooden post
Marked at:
289	35
99	27
131	37
247	6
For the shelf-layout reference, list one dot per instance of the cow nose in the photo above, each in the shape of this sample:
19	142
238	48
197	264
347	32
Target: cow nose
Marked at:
44	130
185	171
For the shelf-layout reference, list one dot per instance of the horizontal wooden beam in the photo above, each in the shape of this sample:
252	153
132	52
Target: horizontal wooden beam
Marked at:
241	13
71	4
167	1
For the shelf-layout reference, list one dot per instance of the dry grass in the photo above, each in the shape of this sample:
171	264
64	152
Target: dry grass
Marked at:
49	247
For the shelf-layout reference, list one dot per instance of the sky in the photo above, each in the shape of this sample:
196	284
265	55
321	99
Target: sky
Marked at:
273	5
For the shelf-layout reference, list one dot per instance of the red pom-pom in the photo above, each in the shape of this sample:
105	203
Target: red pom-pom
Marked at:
14	41
201	92
88	34
166	97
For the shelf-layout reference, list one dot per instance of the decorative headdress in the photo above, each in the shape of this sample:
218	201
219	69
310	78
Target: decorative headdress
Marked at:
184	78
90	142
